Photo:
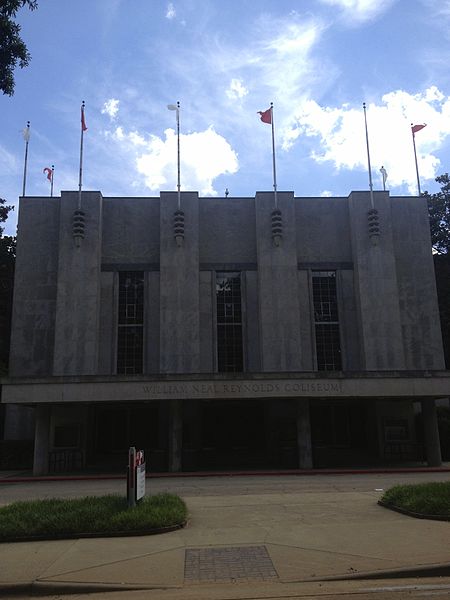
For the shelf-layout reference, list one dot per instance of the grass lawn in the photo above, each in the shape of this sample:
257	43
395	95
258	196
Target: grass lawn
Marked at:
90	515
423	499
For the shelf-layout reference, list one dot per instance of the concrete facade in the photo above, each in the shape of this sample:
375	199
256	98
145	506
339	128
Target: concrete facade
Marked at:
281	404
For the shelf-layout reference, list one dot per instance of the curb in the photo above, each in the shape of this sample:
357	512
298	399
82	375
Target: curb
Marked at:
78	536
432	570
410	513
47	588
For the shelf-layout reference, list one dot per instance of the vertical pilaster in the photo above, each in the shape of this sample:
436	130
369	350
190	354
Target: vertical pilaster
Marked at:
179	287
278	285
152	321
431	433
107	324
41	439
376	287
78	288
304	446
206	301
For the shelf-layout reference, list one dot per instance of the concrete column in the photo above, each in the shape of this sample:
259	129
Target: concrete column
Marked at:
431	433
179	287
41	439
251	331
175	435
107	324
308	349
78	288
206	304
376	277
151	356
279	309
305	460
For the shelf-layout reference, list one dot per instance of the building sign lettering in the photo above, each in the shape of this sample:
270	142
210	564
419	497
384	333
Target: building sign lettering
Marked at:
242	389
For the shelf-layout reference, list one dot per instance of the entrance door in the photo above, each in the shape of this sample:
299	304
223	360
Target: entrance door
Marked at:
339	432
119	427
233	435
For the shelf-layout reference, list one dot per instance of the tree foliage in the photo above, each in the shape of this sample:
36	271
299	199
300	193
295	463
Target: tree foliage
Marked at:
7	263
13	50
439	214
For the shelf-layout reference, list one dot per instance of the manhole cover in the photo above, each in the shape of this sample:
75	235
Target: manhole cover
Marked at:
246	563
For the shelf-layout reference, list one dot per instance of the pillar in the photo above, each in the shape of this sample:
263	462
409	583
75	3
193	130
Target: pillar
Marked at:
375	278
179	287
41	439
279	308
78	288
175	435
304	446
431	433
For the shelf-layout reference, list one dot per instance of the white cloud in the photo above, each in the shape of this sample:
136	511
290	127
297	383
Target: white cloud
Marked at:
8	162
111	108
360	10
204	156
342	135
326	194
171	12
236	89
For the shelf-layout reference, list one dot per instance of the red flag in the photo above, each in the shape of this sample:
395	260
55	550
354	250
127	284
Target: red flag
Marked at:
416	128
83	122
266	116
49	173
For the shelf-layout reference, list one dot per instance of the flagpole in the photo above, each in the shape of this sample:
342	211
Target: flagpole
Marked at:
51	183
273	158
178	158
415	158
80	178
27	139
368	158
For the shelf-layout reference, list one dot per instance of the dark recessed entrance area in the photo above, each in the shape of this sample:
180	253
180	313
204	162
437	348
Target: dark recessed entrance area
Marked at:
233	435
236	434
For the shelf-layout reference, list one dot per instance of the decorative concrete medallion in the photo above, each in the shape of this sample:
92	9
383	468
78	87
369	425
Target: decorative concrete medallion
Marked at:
226	565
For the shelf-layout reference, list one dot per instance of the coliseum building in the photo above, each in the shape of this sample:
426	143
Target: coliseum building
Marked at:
230	334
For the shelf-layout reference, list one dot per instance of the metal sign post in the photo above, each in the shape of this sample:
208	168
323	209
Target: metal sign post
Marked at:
135	476
131	477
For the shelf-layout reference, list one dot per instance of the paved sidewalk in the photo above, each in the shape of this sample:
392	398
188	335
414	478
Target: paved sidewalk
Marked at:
267	533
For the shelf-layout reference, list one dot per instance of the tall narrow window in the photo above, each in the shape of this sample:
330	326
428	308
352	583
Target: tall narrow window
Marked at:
130	335
229	322
326	320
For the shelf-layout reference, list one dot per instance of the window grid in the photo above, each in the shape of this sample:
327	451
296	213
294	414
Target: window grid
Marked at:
229	322
326	319
130	335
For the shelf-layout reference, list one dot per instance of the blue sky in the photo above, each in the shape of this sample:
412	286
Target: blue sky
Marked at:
316	60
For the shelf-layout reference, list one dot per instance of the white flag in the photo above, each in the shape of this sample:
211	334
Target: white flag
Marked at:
384	174
26	134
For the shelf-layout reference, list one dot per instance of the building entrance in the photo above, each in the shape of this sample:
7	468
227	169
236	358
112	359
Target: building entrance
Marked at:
118	428
233	435
341	435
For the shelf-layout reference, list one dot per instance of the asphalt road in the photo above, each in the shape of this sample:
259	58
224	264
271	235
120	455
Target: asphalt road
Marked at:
216	486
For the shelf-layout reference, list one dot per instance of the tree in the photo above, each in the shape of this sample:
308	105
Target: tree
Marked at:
7	262
12	48
439	213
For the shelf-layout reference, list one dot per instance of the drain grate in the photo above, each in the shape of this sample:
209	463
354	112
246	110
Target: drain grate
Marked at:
241	563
